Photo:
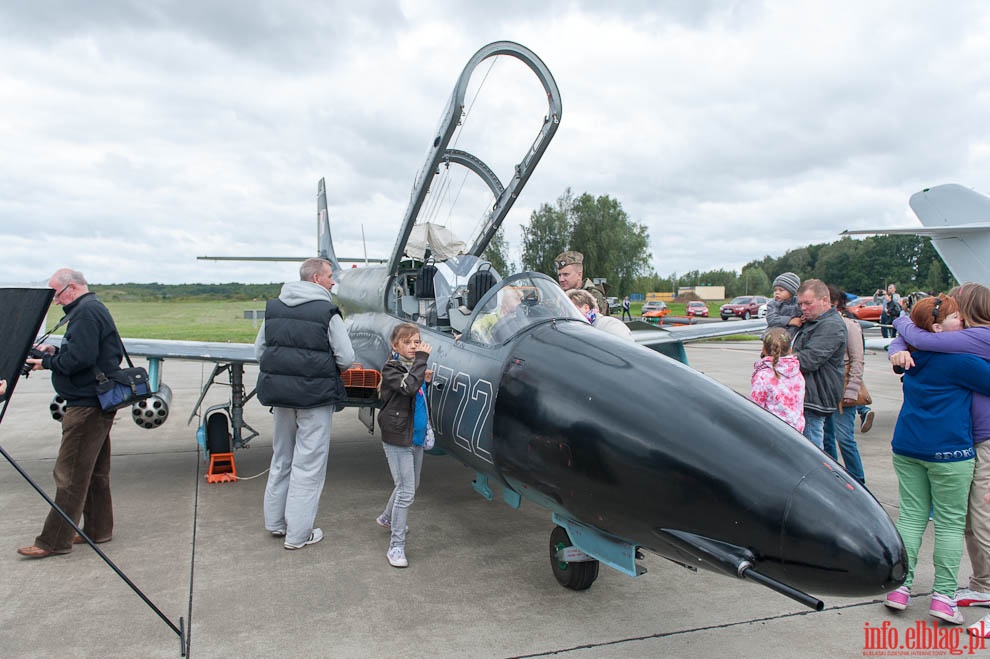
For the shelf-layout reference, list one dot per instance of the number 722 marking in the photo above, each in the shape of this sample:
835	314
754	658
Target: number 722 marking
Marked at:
471	405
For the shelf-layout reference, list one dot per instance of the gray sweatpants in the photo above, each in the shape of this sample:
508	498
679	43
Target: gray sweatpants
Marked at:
300	445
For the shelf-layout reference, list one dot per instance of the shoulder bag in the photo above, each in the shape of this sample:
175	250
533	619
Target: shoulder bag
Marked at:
864	394
122	387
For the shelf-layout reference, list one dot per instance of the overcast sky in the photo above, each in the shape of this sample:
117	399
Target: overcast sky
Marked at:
138	135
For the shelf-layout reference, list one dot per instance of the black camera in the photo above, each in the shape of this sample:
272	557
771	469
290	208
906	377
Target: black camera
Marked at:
34	353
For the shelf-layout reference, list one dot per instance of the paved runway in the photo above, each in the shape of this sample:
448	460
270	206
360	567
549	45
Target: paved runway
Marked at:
479	582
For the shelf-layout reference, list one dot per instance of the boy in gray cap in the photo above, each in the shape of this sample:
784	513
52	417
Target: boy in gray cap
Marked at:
783	309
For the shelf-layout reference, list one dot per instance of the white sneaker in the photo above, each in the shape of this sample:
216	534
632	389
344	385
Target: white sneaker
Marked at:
315	536
967	597
945	608
397	557
980	628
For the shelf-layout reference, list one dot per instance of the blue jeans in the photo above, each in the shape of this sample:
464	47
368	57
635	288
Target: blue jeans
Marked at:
405	463
841	426
814	427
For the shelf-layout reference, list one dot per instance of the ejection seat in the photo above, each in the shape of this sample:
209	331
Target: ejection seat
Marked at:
479	283
426	293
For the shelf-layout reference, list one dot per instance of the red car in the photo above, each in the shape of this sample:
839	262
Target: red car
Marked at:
866	308
744	306
696	308
653	311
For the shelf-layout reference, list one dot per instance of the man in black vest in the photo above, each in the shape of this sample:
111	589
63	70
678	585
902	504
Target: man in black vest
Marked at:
302	347
82	468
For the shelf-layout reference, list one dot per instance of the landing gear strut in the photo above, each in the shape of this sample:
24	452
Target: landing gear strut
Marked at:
235	408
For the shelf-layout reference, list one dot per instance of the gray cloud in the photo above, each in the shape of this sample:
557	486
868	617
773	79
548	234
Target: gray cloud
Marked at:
138	136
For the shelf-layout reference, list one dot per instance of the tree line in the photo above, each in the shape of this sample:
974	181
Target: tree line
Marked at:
617	248
132	292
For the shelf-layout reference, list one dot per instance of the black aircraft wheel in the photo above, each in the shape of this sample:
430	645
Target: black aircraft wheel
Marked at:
217	434
746	316
576	576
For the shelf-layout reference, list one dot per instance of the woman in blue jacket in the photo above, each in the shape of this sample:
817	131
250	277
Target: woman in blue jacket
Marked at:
933	455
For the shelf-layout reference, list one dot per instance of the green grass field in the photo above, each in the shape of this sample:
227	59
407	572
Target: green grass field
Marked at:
220	320
182	321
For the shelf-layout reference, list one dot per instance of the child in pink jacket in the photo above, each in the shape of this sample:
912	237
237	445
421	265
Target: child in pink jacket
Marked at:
777	384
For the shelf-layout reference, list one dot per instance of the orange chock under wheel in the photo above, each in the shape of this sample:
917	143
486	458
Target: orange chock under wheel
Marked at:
222	468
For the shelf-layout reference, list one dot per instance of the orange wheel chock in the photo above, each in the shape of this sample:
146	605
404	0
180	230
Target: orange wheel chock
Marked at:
222	468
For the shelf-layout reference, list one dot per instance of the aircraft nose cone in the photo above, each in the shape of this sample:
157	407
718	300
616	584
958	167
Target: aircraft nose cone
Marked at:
833	546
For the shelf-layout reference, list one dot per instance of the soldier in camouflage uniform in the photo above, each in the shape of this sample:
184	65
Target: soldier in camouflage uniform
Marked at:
570	275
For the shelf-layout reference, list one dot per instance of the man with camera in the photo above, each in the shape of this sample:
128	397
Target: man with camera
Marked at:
82	468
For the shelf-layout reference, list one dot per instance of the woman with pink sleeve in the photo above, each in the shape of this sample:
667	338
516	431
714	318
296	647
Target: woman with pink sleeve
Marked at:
974	307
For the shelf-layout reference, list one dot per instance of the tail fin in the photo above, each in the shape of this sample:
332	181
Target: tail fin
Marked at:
958	221
324	243
950	205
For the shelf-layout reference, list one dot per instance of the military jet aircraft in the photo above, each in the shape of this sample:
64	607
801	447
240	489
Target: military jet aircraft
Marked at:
628	449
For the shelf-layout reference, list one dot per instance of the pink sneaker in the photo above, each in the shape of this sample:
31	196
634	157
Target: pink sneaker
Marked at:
898	599
944	608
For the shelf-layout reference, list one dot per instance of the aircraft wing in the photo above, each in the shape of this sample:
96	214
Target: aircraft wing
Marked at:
929	232
297	259
207	351
646	334
880	345
670	341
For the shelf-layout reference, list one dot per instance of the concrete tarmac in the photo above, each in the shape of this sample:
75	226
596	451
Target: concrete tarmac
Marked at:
479	582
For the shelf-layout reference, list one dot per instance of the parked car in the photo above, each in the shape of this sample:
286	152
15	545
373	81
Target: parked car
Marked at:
614	306
696	308
762	311
654	310
866	308
744	306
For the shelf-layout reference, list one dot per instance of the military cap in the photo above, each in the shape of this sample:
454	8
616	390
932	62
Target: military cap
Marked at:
569	258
